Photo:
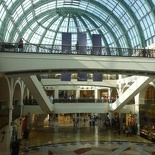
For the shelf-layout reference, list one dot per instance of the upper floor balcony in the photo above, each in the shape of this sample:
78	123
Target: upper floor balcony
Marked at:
82	50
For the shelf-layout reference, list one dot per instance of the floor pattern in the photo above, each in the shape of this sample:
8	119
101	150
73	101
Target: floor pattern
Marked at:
87	148
68	140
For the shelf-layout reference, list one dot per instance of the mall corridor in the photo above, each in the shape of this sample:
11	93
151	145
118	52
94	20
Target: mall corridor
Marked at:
67	139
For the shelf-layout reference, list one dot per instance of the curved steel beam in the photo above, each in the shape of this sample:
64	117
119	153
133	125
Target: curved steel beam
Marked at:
71	11
135	19
100	32
114	17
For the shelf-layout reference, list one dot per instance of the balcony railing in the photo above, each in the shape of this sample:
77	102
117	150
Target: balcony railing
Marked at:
82	50
62	100
87	100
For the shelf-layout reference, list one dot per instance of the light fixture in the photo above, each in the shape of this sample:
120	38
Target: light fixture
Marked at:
3	134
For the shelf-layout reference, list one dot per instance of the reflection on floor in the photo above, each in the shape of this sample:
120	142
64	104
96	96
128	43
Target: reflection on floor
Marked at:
69	140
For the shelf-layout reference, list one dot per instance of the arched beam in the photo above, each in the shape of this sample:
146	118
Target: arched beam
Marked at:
114	17
137	24
100	32
72	11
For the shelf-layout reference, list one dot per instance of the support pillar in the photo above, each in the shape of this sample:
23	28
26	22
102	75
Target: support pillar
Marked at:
56	93
96	93
137	113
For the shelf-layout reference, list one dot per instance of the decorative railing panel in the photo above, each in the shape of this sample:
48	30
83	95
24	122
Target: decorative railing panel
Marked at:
83	50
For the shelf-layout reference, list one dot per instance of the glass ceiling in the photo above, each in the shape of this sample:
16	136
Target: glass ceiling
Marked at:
121	23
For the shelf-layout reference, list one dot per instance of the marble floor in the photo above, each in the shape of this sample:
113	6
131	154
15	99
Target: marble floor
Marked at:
66	139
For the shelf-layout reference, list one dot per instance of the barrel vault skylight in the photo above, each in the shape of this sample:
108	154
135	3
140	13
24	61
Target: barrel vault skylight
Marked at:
121	23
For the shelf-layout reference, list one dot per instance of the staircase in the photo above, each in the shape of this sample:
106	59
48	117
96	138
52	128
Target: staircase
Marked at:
139	84
38	92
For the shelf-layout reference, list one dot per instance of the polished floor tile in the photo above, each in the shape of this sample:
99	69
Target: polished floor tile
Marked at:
66	139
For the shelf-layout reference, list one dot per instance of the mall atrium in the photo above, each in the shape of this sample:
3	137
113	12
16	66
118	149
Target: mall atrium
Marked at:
74	71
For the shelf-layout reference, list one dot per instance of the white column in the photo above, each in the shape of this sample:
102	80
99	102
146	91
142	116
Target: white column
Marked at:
137	113
77	92
21	113
56	123
119	84
111	115
10	128
109	94
56	93
79	123
96	93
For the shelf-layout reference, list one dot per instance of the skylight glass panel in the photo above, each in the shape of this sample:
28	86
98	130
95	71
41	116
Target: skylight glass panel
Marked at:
10	26
150	16
84	5
133	36
37	10
2	13
27	33
153	1
119	12
72	26
26	4
19	11
24	22
56	25
35	38
51	18
92	8
35	1
8	3
49	5
111	4
122	42
40	30
59	3
33	25
152	29
50	34
148	33
7	35
42	18
15	37
29	16
22	25
46	23
43	7
15	16
128	21
117	31
90	27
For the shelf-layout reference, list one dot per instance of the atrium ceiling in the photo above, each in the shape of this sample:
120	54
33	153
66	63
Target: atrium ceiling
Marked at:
121	23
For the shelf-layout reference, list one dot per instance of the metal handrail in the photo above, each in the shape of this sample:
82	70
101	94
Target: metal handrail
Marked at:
82	50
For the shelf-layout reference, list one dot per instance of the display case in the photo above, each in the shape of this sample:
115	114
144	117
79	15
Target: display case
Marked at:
147	121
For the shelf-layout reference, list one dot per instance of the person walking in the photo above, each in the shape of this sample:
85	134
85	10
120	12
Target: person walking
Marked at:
77	47
148	53
144	52
20	45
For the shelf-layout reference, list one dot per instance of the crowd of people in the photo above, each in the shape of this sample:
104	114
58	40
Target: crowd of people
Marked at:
115	124
146	53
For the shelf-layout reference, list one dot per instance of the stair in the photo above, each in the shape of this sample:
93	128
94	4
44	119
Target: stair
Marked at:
38	92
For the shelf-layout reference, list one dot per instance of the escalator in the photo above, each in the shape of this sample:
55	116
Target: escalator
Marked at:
38	92
139	84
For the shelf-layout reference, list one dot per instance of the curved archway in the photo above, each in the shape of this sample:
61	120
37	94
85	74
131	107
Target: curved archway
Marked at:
16	101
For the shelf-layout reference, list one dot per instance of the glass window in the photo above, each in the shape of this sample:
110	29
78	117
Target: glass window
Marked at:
44	21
